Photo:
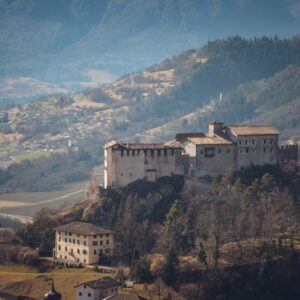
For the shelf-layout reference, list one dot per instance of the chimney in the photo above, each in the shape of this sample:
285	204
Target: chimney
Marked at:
215	128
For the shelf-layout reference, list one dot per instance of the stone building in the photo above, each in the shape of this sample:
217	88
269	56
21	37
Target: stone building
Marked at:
83	243
224	148
126	163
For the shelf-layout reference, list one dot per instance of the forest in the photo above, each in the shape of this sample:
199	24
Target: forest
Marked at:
241	227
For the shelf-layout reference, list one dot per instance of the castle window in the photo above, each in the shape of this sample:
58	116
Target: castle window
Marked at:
101	243
165	152
122	153
209	152
152	152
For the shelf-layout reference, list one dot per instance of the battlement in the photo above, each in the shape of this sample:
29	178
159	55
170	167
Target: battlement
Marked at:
287	153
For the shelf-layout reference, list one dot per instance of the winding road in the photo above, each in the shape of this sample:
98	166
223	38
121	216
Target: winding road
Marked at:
25	219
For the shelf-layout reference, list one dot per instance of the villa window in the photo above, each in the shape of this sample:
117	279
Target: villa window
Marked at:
78	251
240	142
107	242
247	150
58	247
84	252
253	142
95	243
79	294
84	243
265	141
271	141
152	153
219	151
165	152
158	153
246	142
101	243
66	248
241	151
95	252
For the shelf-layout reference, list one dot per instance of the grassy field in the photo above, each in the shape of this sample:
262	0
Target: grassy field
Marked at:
35	154
27	281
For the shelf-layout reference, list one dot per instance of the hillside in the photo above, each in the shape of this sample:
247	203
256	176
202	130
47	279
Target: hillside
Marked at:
68	42
257	80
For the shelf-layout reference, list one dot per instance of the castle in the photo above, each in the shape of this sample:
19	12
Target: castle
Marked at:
195	155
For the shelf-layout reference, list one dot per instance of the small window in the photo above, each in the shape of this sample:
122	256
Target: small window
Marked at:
265	141
209	152
241	151
158	153
70	240
84	286
107	242
246	142
78	242
66	248
101	243
172	152
79	294
95	252
271	141
101	235
95	236
73	241
240	142
219	151
59	239
264	149
66	240
58	247
247	150
133	152
121	174
84	252
70	234
128	153
145	152
107	235
122	153
152	152
228	150
253	142
89	295
165	152
201	151
84	243
84	260
78	251
95	243
253	150
271	149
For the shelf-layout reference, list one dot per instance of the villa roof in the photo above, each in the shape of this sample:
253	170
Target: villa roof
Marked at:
83	228
101	283
216	140
253	129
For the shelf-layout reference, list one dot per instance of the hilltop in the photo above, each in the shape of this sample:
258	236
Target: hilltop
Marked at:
257	80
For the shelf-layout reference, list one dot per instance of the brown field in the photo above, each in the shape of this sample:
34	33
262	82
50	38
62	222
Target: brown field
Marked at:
27	281
27	204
